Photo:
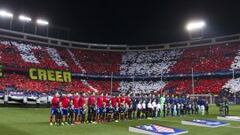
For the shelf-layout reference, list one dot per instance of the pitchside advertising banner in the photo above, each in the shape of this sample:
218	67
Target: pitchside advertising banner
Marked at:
153	129
205	123
50	75
230	118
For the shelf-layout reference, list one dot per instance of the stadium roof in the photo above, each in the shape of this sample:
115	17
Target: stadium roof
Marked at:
46	41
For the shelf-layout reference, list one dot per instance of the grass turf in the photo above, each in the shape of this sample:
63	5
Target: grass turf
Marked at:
28	121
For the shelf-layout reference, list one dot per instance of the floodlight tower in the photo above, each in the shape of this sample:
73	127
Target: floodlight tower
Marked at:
195	28
25	19
41	22
7	15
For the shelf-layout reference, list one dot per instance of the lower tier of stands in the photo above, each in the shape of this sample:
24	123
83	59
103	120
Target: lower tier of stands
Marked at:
24	83
201	86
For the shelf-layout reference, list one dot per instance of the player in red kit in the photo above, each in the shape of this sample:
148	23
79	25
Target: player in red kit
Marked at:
91	108
65	102
100	101
128	99
99	106
118	101
55	102
122	99
76	108
106	99
117	106
129	106
82	104
113	101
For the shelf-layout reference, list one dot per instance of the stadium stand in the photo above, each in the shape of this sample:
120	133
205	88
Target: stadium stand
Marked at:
141	86
149	63
201	86
165	64
206	59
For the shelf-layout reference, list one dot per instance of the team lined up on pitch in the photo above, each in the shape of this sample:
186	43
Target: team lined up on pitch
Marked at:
74	109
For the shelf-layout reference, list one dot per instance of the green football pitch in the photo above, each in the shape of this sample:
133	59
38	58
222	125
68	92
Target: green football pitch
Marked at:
29	121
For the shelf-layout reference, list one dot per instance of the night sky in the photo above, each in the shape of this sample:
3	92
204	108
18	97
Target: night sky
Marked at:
132	21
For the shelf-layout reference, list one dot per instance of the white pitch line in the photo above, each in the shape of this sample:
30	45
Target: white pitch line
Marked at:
232	126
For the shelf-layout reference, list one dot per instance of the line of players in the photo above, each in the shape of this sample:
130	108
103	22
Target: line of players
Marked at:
74	109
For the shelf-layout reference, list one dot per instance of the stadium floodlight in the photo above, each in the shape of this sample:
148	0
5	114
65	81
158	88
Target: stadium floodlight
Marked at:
24	18
195	25
42	22
6	14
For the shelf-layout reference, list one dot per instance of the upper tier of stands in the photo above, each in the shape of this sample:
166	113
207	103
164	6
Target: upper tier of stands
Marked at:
25	55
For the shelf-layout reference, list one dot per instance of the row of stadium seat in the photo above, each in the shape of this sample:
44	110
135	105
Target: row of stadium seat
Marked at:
201	86
23	83
204	59
28	55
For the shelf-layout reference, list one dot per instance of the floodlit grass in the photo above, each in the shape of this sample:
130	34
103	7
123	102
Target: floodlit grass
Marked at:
28	121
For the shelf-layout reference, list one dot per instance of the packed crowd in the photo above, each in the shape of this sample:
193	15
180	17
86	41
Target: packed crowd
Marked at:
201	86
24	83
206	59
141	86
23	55
234	84
74	109
149	63
180	61
154	63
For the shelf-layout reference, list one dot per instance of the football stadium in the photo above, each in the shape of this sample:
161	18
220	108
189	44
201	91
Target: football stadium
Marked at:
55	80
